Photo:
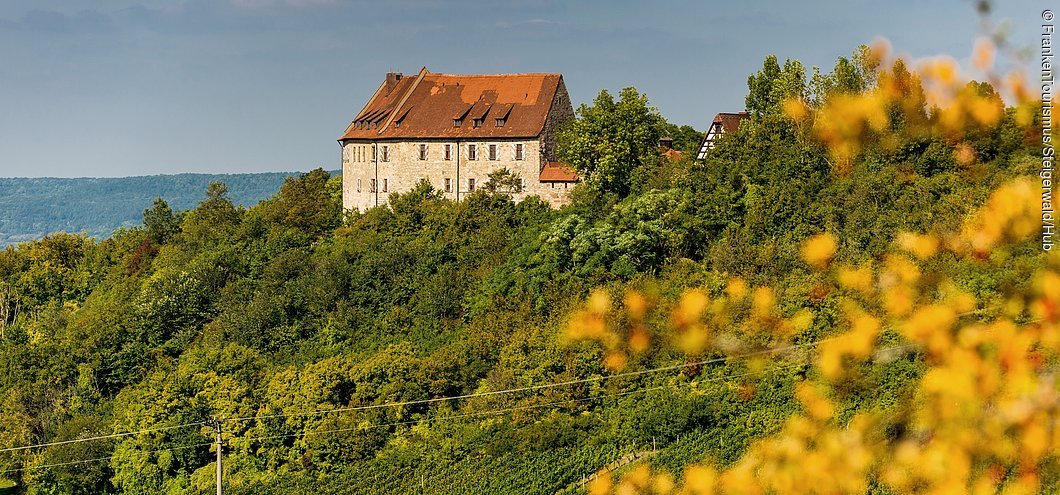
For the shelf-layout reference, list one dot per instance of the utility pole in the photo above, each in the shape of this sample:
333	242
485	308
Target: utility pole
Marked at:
217	427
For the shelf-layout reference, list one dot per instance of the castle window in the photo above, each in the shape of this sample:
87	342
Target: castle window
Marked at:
470	185
493	152
519	151
476	123
500	122
371	185
375	152
458	122
358	185
448	152
385	185
472	152
448	185
386	153
423	152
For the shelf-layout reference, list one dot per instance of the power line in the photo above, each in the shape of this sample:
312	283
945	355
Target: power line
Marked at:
537	387
399	423
449	417
441	399
103	437
100	459
518	408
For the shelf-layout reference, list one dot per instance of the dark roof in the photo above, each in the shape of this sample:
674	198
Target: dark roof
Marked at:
428	104
557	172
730	122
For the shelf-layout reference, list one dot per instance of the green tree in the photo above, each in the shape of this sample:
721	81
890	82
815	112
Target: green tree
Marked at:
611	138
503	181
214	220
772	85
309	205
160	222
849	75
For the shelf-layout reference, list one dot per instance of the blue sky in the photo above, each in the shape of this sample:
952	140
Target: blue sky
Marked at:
124	87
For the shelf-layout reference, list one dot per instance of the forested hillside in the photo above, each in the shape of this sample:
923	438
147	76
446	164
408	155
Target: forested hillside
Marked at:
30	208
489	347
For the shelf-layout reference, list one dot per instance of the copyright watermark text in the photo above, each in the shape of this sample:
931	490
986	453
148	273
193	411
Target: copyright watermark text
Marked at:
1048	152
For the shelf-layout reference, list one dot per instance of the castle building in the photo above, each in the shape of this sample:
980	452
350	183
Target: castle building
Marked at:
454	130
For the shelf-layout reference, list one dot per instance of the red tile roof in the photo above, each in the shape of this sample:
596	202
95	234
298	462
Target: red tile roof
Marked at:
558	172
426	105
673	154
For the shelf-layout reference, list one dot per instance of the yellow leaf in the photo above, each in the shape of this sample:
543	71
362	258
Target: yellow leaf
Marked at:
983	53
819	250
736	289
601	485
700	480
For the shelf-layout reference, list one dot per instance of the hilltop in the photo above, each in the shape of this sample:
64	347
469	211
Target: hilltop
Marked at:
674	314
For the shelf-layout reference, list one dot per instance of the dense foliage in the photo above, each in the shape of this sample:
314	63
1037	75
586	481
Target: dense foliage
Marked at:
269	316
31	208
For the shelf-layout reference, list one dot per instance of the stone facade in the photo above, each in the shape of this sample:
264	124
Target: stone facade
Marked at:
403	168
373	168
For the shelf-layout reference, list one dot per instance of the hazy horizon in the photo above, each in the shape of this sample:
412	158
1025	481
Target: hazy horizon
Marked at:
160	174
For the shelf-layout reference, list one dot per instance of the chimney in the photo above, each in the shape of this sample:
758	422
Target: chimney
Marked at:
392	79
666	144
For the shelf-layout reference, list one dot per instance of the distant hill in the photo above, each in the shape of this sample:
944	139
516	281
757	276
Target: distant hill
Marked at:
33	207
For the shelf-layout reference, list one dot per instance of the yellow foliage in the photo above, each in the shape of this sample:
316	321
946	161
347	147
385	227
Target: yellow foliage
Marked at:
689	308
601	485
700	480
1013	212
817	405
615	360
921	246
762	301
600	302
799	322
736	289
694	339
819	250
639	339
663	484
796	109
898	301
636	305
859	279
986	416
983	54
